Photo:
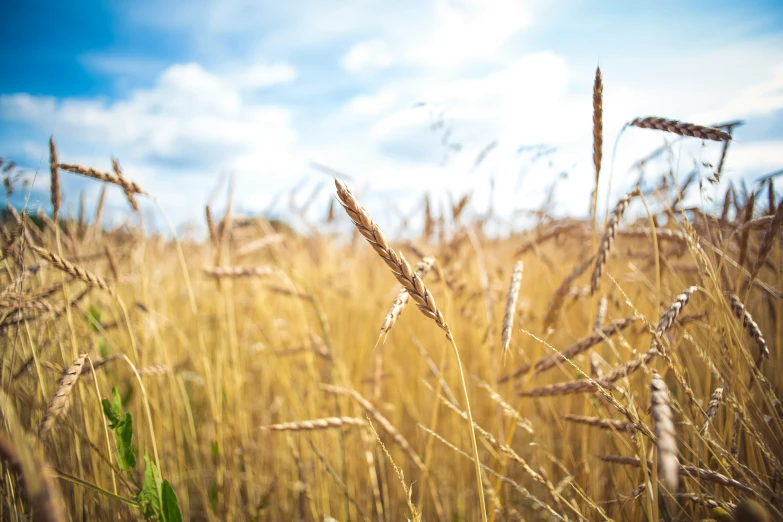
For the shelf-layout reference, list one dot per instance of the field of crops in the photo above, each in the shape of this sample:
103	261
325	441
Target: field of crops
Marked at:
624	366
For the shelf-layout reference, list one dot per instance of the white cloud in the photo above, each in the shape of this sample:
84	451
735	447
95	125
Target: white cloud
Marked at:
175	137
367	55
468	30
754	100
260	75
372	105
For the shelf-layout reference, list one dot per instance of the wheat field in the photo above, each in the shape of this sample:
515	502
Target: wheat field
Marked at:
618	367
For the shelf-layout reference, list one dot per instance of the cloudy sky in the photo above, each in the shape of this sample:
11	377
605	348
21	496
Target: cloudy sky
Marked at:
405	97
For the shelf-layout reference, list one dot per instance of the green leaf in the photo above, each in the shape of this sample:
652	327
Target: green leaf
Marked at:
113	410
171	512
125	443
148	497
213	495
123	427
95	315
103	348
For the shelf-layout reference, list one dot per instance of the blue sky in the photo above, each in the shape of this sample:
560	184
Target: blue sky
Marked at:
403	96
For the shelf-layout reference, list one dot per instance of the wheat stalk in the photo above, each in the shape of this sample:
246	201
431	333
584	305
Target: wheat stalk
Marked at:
211	225
557	230
681	129
399	266
258	244
424	299
750	326
126	185
115	273
628	368
404	296
116	178
563	291
317	424
511	305
665	234
73	269
59	403
55	185
560	388
769	239
666	322
665	434
238	271
598	140
595	366
608	238
667	319
582	345
598	422
41	492
380	419
693	471
99	209
600	315
745	236
712	409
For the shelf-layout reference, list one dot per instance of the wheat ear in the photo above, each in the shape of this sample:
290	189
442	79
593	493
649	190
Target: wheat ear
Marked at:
582	345
380	419
608	239
698	473
238	271
399	266
712	409
600	315
667	319
665	434
598	422
73	269
317	424
403	297
511	305
681	129
55	171
598	139
59	403
563	291
769	239
117	178
750	325
424	299
666	322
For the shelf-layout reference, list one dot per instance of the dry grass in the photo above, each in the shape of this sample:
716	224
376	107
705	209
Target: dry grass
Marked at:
257	397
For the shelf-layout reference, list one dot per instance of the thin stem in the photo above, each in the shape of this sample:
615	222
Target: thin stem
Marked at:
476	461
